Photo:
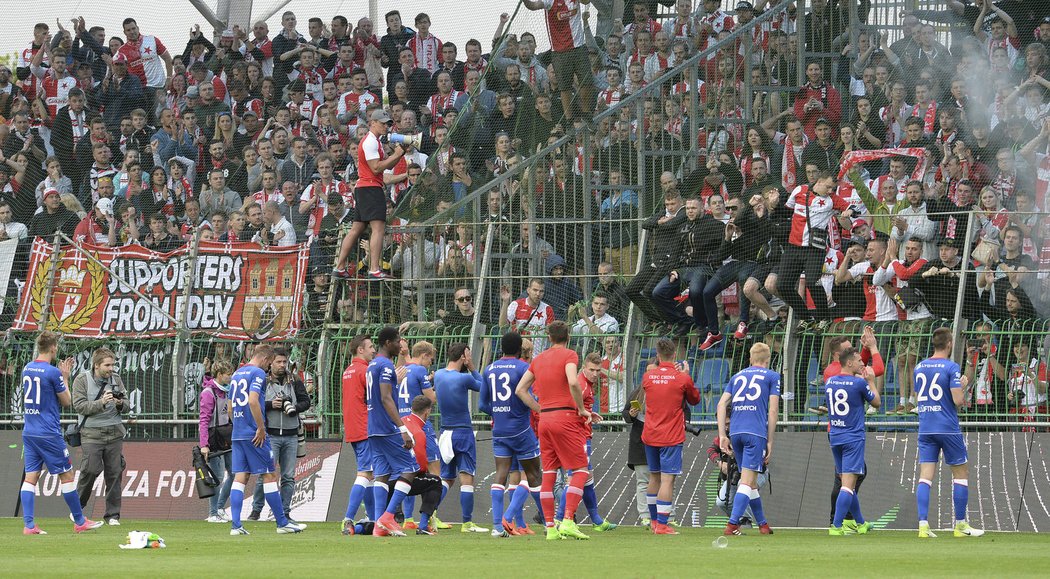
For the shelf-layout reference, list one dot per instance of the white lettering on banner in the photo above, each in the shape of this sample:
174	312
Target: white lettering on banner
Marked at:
213	272
132	314
176	482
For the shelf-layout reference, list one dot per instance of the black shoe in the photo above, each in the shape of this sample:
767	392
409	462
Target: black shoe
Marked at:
538	519
399	516
254	516
682	330
746	522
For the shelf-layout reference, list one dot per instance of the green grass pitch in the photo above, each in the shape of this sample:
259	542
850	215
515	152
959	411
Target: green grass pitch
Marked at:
207	550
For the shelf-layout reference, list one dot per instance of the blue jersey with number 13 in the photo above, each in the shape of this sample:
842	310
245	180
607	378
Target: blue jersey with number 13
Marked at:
509	414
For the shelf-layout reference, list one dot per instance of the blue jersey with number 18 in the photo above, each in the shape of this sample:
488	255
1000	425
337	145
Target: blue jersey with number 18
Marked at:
934	380
750	389
41	385
846	397
509	414
245	380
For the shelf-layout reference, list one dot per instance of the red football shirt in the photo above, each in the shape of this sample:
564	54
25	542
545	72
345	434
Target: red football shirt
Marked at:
588	397
419	439
551	386
355	407
370	149
665	388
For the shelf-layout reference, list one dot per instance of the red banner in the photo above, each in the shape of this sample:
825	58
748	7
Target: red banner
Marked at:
240	291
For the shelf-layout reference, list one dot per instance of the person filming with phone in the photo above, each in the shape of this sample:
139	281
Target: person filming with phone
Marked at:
99	398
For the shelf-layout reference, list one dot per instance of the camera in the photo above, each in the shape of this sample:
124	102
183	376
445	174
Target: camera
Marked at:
288	407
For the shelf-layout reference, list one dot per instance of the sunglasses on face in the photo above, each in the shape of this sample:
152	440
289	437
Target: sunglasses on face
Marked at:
462	299
732	208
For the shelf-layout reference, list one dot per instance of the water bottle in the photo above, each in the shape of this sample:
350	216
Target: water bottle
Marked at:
696	518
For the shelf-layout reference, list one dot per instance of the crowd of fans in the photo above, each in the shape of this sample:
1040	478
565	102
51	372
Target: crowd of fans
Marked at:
848	197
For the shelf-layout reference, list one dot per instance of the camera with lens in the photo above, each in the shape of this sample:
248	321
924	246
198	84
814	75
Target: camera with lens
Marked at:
288	407
732	473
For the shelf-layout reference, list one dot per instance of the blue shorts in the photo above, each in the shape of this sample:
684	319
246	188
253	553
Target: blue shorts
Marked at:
664	459
46	450
849	457
252	459
432	442
465	454
390	457
521	446
750	451
363	452
953	445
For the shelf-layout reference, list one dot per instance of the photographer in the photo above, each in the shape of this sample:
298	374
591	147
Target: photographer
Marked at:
99	396
286	399
729	477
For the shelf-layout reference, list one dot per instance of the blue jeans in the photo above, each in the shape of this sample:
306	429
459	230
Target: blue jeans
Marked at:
221	466
284	451
730	273
665	292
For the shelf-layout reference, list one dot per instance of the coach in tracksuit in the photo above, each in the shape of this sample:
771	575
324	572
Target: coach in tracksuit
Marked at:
286	399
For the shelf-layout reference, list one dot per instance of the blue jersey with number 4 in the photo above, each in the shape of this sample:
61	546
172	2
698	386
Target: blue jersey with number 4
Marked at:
413	385
846	397
41	385
245	380
934	379
751	389
380	371
509	414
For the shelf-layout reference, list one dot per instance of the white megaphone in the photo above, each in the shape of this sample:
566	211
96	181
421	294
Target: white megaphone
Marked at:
415	140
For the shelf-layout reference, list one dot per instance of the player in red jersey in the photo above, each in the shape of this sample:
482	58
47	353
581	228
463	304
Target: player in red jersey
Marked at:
666	388
564	422
355	427
424	484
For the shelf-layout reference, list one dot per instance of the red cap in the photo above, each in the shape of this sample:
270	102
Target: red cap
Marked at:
858	223
120	58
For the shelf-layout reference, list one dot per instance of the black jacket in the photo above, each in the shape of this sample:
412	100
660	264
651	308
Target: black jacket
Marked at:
635	448
665	243
754	236
702	240
45	224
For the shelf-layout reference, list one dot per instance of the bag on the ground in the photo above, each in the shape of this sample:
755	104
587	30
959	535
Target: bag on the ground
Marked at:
206	479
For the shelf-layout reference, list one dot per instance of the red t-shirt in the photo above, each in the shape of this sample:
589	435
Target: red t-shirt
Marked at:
588	397
565	24
419	439
355	408
551	386
665	387
370	149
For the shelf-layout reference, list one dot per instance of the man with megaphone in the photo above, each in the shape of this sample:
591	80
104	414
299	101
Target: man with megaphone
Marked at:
370	196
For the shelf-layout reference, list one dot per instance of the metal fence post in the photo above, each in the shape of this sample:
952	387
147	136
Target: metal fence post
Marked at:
45	314
182	337
800	47
957	322
588	226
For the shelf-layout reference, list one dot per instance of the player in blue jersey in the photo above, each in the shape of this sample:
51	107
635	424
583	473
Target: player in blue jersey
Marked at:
939	390
754	394
388	437
44	393
847	392
459	454
417	383
512	436
251	445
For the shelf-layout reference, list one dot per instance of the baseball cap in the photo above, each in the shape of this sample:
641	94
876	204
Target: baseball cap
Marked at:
120	58
227	33
193	92
858	223
379	115
104	205
51	192
249	112
947	242
744	6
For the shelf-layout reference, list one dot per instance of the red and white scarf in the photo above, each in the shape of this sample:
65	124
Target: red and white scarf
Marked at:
745	166
790	163
929	118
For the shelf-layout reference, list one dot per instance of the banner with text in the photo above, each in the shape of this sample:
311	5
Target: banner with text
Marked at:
240	291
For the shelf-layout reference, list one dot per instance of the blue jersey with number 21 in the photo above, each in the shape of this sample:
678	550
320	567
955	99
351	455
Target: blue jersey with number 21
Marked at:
41	385
245	380
934	380
751	389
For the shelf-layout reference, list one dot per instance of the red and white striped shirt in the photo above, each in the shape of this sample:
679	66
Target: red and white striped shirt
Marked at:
565	25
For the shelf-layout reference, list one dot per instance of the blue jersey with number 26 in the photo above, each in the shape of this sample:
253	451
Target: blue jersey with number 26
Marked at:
751	389
245	380
41	385
846	397
934	379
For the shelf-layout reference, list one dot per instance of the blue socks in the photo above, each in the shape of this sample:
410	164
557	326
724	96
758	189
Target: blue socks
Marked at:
756	507
380	493
401	490
650	501
515	510
28	494
357	493
922	499
855	510
273	499
843	504
466	501
408	506
740	503
497	493
236	503
663	511
590	500
535	492
960	496
424	520
69	494
370	500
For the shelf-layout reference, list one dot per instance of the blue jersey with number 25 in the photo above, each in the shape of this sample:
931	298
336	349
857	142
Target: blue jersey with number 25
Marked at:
751	389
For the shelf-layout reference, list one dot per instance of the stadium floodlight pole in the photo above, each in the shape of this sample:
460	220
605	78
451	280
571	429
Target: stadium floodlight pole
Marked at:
960	294
217	24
